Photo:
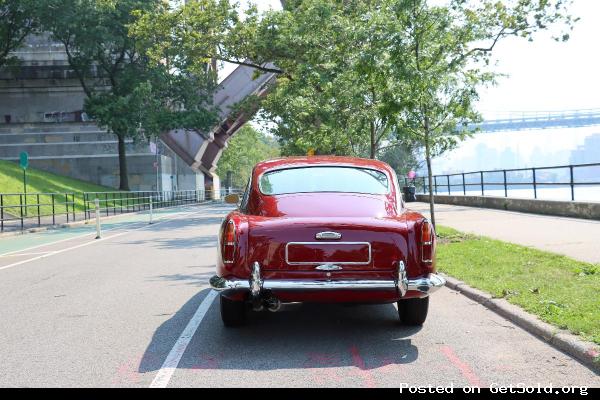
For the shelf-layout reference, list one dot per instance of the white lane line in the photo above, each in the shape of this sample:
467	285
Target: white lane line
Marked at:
24	254
162	378
163	220
88	233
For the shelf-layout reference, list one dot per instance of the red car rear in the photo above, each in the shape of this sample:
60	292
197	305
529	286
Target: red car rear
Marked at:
324	229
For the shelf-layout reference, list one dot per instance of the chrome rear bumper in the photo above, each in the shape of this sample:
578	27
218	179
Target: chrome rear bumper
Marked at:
424	285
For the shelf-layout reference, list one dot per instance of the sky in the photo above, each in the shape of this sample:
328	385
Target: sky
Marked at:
543	75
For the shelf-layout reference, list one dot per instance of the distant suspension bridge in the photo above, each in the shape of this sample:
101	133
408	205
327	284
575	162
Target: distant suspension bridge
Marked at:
516	121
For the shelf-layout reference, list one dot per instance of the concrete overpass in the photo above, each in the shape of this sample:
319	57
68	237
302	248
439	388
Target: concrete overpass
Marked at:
202	150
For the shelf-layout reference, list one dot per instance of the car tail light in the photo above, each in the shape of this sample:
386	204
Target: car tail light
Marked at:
229	238
427	234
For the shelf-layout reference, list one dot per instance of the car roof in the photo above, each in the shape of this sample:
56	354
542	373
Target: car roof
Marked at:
291	162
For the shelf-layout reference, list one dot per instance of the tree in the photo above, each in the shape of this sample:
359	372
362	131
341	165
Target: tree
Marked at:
356	76
444	59
332	78
337	76
403	155
126	92
17	20
197	32
243	151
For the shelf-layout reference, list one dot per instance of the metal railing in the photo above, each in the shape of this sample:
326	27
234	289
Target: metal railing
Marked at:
20	211
113	203
505	181
20	208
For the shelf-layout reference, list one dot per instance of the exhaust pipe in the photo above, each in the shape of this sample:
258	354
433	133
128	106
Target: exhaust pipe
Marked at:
273	304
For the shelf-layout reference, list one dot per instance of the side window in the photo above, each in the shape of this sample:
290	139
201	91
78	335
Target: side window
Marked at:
244	202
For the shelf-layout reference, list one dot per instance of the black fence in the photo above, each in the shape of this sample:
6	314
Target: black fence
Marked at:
113	203
20	208
20	211
502	182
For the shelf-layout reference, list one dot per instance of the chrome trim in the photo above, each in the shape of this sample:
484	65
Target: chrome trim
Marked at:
425	285
328	235
402	282
256	282
332	262
328	267
330	285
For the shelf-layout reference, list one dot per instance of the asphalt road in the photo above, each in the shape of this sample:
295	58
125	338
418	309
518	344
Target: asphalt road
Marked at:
134	309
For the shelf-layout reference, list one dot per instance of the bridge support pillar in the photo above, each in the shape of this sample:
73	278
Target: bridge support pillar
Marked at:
212	185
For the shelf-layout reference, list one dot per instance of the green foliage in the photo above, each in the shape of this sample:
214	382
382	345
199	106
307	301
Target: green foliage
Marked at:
18	18
402	155
243	151
559	290
127	92
337	78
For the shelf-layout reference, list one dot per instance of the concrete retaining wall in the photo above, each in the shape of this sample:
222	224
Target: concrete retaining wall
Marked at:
572	209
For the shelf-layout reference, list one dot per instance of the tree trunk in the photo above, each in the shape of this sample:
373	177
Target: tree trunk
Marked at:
372	154
429	176
123	178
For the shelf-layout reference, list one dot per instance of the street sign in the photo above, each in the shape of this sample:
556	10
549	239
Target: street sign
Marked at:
24	160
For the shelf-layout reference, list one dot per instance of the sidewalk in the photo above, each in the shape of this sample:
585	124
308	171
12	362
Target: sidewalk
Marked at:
576	238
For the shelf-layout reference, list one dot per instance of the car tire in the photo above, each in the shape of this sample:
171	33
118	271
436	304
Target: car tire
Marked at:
233	313
413	311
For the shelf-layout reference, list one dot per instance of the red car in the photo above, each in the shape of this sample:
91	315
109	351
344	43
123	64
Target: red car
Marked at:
324	229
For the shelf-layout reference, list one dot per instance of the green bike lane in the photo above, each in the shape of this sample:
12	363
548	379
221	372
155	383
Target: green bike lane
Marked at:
17	248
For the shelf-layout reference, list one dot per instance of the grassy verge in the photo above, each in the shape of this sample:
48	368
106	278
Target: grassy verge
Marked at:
11	181
559	290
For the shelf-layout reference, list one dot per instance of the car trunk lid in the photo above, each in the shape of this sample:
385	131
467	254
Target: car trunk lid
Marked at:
306	244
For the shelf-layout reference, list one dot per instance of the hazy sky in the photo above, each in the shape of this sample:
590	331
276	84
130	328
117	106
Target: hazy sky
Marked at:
542	75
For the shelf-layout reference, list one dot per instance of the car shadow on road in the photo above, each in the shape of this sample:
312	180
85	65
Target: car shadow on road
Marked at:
309	336
176	243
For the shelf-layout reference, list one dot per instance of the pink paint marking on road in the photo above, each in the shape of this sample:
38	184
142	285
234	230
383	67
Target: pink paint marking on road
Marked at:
323	368
363	372
463	367
207	361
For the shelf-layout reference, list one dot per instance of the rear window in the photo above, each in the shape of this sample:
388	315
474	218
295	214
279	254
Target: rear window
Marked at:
324	179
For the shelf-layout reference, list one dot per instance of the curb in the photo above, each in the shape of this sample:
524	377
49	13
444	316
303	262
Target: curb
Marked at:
585	352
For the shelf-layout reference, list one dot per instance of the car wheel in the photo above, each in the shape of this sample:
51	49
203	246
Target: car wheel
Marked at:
413	311
233	313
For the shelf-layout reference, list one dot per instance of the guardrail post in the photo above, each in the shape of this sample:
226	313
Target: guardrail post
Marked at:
150	209
73	204
482	190
85	207
21	209
464	186
1	213
53	215
67	206
534	184
98	229
448	180
38	209
572	183
505	187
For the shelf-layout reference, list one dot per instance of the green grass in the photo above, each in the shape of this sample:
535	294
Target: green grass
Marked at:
11	181
558	289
